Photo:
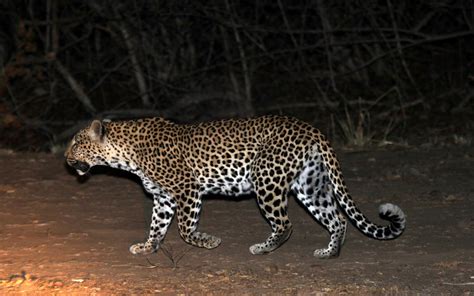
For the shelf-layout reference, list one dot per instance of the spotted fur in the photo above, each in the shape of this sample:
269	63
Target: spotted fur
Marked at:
271	156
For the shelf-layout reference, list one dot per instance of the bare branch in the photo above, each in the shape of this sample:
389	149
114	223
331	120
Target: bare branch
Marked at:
243	61
76	87
137	69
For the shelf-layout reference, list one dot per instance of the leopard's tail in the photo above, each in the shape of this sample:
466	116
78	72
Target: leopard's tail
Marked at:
387	211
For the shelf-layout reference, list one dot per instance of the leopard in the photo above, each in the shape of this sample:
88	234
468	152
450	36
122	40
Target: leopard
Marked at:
271	157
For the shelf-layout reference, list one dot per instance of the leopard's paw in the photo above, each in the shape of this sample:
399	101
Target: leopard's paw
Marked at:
259	249
143	248
211	242
325	253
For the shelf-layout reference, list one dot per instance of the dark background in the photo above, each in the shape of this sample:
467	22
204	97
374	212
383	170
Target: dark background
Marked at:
365	72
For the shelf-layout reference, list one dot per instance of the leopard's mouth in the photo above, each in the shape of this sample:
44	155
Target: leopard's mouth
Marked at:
81	167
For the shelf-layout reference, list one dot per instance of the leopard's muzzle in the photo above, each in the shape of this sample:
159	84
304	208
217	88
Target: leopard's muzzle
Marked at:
81	167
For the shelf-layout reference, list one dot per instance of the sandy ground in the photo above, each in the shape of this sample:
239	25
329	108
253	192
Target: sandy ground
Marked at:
62	236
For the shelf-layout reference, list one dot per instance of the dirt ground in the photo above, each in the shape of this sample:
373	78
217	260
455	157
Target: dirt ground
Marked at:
60	235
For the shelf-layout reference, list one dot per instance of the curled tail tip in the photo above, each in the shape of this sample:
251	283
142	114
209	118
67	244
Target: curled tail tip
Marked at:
395	215
391	211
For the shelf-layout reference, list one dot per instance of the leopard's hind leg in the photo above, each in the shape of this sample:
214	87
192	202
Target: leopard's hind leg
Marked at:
315	192
279	222
273	202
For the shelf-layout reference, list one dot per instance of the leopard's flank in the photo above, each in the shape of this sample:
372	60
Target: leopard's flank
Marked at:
271	156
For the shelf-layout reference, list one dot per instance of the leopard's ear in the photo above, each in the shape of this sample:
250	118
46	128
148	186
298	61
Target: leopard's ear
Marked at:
97	131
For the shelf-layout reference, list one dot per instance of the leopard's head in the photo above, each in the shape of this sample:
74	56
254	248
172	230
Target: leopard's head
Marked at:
88	148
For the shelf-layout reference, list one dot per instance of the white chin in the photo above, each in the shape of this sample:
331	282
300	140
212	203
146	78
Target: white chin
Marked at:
81	173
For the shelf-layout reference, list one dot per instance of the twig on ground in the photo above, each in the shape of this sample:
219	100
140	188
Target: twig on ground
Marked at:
459	284
174	259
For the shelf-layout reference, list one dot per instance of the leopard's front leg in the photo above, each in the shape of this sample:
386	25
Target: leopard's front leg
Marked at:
163	211
188	210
